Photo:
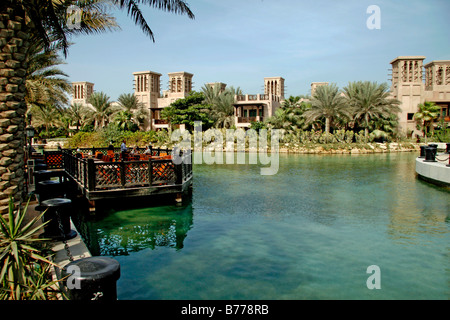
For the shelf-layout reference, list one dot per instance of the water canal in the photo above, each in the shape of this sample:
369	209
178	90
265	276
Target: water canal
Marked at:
308	232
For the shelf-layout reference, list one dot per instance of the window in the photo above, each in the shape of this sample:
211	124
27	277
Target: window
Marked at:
410	116
253	113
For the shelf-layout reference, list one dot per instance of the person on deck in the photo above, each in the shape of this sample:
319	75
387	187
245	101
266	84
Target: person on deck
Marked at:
123	149
110	151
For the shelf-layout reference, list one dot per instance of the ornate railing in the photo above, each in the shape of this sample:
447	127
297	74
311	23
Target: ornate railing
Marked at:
94	174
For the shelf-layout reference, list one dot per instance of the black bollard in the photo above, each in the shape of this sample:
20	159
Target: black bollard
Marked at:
92	278
434	146
57	212
430	154
49	189
40	166
43	175
422	151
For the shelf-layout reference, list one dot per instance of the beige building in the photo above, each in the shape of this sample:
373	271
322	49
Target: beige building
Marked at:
147	88
314	86
258	107
81	91
411	87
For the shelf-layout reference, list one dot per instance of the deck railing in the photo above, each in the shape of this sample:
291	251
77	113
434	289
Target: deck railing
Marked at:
95	175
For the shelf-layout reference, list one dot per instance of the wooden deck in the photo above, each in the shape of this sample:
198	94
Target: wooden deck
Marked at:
100	176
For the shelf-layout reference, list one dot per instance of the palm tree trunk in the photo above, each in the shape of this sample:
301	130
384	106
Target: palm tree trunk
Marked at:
366	129
327	125
14	47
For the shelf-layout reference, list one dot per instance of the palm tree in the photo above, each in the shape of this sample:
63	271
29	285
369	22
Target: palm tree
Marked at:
45	117
102	109
23	22
130	103
326	103
45	83
370	100
290	115
428	112
124	121
222	104
77	114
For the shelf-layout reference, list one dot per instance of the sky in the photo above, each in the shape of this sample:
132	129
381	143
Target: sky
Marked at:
239	42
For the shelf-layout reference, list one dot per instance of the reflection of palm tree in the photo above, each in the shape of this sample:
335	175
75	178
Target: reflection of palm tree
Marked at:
370	100
428	112
327	103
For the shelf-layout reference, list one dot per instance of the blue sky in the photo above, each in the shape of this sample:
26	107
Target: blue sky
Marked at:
239	42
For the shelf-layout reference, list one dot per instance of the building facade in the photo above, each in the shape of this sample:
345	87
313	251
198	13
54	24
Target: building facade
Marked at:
147	89
414	83
81	91
258	107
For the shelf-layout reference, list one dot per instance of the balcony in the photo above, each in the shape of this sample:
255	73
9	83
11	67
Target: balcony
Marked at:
250	119
257	97
160	121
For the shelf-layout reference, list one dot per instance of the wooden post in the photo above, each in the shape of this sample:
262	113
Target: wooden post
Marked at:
122	173
150	171
178	173
91	174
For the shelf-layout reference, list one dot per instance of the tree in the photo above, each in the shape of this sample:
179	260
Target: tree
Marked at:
46	84
124	121
77	113
102	109
130	103
387	125
189	110
222	104
428	112
290	115
45	117
370	100
23	22
326	103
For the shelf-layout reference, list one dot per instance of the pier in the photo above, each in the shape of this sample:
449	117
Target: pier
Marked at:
434	167
102	174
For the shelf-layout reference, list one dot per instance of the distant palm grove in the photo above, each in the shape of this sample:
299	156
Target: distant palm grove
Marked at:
361	112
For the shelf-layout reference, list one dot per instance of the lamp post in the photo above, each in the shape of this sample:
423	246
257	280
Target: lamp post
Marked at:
30	134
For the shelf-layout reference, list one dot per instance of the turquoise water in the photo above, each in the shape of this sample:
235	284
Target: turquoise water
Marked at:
308	232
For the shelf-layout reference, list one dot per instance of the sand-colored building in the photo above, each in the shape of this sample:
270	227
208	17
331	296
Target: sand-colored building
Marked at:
414	83
81	91
258	107
147	88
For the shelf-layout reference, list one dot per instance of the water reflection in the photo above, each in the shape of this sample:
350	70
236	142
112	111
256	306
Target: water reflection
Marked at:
416	208
119	233
309	232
